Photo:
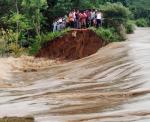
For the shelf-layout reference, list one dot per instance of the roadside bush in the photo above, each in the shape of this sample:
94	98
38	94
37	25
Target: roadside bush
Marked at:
115	14
142	22
2	47
34	47
107	34
148	21
15	50
8	44
130	27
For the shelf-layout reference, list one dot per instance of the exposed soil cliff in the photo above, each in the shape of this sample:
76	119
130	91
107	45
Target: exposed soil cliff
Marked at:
74	45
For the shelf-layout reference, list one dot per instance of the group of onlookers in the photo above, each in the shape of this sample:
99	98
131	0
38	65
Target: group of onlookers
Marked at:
78	19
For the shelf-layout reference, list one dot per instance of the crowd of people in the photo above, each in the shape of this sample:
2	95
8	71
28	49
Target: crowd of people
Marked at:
78	19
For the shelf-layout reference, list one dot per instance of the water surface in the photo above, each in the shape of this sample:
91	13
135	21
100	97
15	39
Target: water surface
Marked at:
112	85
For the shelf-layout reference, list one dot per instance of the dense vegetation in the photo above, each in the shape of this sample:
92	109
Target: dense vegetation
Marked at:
26	24
141	12
141	3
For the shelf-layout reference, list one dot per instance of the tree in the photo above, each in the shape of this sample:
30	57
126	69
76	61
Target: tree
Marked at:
52	3
32	10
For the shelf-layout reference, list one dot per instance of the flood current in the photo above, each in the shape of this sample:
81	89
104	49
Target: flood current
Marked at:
112	85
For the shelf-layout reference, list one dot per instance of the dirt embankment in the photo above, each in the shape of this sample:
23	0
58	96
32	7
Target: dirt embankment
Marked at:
74	45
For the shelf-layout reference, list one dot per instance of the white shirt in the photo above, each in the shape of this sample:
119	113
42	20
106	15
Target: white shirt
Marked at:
60	20
99	16
92	15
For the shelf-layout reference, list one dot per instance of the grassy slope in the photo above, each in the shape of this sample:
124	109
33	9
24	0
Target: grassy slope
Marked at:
141	3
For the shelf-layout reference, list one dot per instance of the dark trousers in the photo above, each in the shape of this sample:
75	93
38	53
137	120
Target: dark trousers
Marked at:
98	23
72	24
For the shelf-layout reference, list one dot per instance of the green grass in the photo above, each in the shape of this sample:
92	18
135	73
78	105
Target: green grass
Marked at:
107	34
45	38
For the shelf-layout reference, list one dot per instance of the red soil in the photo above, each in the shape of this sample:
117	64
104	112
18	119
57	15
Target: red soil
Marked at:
74	45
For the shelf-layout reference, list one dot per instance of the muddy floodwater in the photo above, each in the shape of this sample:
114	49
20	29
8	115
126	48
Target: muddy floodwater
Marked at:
112	85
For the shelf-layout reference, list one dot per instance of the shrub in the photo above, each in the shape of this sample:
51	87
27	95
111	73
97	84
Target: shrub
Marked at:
129	27
121	30
107	34
15	50
2	47
148	21
115	14
8	44
142	22
34	48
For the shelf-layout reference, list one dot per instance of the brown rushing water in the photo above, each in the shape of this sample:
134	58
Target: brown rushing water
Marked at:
112	85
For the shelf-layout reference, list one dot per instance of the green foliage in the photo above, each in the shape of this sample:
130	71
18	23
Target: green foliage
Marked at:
116	16
107	34
44	38
84	4
20	18
16	51
115	13
124	2
8	45
3	47
148	22
52	35
130	27
140	3
8	35
28	22
35	47
142	22
141	10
